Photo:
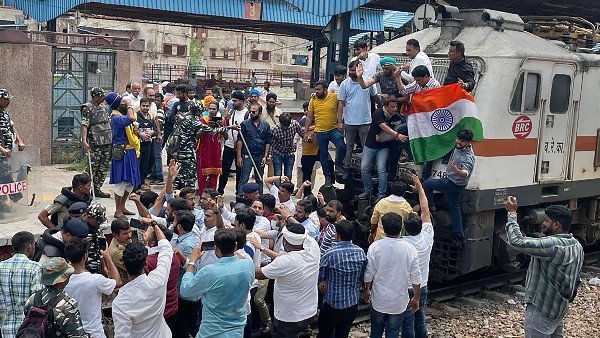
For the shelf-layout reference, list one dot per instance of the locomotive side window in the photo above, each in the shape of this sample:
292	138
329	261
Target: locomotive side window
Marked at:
526	95
560	94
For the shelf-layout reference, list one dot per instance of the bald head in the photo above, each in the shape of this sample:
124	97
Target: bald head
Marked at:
149	92
136	88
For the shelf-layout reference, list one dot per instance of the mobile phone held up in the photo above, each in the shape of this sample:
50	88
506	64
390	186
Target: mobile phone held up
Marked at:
208	246
136	223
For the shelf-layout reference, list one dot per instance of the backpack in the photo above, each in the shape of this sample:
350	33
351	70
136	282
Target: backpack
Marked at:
39	322
174	140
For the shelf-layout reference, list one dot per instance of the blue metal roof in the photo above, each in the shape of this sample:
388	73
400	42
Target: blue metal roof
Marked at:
327	7
272	10
391	19
281	11
368	20
396	19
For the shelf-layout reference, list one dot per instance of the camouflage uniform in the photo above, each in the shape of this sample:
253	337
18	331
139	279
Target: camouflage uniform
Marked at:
67	320
6	141
95	238
97	120
187	127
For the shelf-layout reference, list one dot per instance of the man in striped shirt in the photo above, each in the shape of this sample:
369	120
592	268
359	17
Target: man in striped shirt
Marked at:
19	279
341	271
423	80
553	274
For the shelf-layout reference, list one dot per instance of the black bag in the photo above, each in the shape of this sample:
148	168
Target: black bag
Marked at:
39	322
118	151
174	141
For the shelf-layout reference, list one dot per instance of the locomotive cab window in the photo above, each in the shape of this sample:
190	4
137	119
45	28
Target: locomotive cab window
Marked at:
526	95
560	94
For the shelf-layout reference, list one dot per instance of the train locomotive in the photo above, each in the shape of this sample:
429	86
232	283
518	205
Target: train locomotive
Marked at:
540	109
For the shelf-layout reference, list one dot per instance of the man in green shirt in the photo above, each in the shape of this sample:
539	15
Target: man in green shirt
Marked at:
553	273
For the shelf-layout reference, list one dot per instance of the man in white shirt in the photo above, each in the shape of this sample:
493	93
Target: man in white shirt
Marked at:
138	308
283	193
339	75
261	224
369	61
87	288
296	274
418	58
391	263
419	232
354	108
236	116
135	96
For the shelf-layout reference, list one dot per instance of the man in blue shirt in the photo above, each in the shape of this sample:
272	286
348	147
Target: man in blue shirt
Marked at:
341	271
354	105
222	286
257	135
187	240
454	182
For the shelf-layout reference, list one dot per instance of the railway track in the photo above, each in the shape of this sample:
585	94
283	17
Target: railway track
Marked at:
473	287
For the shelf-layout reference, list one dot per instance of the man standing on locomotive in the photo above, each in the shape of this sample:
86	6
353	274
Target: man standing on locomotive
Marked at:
554	269
459	71
458	173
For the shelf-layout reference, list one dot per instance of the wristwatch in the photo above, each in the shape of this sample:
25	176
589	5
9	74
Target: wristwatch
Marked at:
191	263
511	213
262	248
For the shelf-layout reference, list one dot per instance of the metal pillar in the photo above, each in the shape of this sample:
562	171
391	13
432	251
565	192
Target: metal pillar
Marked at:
316	63
344	48
338	41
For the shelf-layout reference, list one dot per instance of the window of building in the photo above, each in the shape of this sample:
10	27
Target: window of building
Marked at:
266	56
254	55
178	50
225	54
526	94
560	94
213	53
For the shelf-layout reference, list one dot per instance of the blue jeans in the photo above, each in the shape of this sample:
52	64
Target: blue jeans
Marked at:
380	156
414	323
287	161
452	193
337	138
157	169
391	324
247	168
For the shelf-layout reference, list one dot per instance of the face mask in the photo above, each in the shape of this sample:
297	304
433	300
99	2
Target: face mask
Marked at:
330	219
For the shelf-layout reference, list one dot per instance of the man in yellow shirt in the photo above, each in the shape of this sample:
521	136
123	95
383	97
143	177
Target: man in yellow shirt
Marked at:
393	203
322	108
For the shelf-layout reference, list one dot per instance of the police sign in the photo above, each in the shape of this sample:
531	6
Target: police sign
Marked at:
12	188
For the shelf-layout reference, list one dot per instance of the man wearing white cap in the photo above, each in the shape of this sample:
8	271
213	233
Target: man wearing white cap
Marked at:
296	275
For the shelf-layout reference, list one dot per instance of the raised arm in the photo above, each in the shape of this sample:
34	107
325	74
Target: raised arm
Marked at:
423	203
538	247
364	84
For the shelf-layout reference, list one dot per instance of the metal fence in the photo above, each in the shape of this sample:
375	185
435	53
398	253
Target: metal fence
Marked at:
166	72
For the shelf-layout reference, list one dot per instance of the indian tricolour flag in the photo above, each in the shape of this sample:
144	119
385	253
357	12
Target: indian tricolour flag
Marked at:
435	116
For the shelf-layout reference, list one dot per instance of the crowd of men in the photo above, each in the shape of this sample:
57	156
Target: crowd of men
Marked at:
273	259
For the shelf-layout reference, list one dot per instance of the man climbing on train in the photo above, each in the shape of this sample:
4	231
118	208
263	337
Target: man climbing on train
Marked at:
454	182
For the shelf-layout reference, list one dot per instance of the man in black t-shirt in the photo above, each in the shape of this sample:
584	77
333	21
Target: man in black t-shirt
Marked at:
376	148
146	129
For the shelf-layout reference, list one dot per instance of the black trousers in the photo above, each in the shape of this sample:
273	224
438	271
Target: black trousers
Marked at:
172	322
289	330
229	155
146	160
188	319
338	320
